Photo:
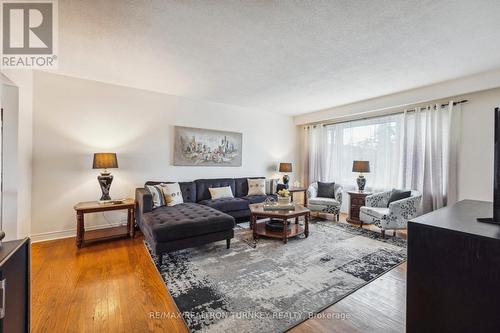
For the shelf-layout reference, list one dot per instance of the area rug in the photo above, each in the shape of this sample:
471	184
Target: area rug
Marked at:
269	286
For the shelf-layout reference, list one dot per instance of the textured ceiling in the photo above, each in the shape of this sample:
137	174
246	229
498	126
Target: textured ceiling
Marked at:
289	57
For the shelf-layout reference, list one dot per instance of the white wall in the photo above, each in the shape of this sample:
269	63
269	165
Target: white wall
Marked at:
475	170
73	118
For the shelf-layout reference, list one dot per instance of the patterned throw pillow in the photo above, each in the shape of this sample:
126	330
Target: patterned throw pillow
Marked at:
157	193
221	192
172	194
256	186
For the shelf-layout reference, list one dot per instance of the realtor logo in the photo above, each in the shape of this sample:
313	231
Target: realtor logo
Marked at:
29	36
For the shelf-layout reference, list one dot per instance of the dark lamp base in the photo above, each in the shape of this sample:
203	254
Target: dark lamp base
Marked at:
361	183
105	180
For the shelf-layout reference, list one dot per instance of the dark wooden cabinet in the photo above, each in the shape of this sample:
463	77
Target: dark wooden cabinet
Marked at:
454	271
357	200
15	286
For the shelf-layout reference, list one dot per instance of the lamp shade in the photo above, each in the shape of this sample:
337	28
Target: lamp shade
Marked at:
105	161
361	166
285	167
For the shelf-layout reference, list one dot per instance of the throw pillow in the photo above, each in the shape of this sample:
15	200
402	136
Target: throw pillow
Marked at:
326	190
398	195
256	186
172	194
271	185
157	193
221	192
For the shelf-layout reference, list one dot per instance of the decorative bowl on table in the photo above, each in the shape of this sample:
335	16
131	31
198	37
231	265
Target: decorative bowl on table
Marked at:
284	200
276	225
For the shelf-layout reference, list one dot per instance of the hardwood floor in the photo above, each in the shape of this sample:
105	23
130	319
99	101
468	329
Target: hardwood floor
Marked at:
105	287
114	287
380	306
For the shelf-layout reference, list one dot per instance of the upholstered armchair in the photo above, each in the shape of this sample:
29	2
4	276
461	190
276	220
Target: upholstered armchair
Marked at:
324	205
393	216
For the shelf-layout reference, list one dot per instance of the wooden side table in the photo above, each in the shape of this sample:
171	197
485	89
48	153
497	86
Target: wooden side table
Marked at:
293	190
83	208
357	199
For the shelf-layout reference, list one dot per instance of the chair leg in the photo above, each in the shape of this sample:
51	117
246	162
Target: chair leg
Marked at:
228	243
338	217
382	232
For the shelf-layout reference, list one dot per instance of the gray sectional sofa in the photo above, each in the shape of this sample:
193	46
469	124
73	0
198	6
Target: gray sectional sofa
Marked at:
199	220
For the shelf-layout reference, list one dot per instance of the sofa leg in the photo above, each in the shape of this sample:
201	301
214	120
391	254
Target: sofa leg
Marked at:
228	243
382	232
338	217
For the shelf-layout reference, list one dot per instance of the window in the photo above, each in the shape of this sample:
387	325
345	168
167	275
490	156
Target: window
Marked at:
416	149
376	140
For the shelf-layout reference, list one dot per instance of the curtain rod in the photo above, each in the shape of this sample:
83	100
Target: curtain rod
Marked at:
443	105
339	121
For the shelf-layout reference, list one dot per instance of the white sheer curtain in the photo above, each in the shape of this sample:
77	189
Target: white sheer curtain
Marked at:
430	145
376	140
411	150
314	154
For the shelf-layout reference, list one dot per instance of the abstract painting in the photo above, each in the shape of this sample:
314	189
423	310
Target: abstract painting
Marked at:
204	147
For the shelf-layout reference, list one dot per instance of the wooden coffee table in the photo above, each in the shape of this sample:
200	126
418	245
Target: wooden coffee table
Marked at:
259	228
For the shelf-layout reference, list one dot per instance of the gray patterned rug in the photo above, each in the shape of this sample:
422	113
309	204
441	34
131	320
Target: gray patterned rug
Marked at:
269	286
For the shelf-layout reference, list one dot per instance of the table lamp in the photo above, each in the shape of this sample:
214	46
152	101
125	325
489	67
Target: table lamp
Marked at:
105	161
361	167
286	167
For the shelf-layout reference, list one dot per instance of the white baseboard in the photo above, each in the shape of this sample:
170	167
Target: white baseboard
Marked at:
52	235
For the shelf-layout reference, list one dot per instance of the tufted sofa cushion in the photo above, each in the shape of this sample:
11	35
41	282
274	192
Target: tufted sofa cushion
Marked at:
184	221
202	186
226	204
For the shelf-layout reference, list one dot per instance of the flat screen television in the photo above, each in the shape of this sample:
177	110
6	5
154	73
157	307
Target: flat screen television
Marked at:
496	174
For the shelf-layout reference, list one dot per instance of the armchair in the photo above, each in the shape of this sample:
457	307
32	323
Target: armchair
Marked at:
392	217
324	205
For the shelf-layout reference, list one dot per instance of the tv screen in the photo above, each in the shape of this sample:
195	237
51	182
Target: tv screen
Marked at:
496	174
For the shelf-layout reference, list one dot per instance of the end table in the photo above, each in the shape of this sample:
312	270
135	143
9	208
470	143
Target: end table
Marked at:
357	199
293	190
83	208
